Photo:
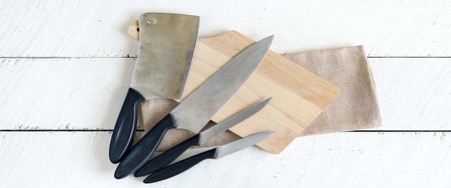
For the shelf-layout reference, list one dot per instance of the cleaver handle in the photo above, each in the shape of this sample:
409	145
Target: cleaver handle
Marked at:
141	152
167	157
124	129
179	167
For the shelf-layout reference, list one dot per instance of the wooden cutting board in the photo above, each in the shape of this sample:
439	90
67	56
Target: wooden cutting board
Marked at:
298	96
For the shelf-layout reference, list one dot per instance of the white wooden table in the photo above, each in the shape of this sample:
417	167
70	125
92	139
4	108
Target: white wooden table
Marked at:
65	66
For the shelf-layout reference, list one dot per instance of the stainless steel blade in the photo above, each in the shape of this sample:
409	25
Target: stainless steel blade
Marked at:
204	136
191	152
241	144
197	109
165	52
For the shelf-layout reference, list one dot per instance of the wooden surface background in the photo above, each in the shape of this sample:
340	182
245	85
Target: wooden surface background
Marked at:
65	66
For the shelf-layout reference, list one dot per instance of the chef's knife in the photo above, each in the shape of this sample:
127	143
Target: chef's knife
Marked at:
218	152
165	52
168	156
198	108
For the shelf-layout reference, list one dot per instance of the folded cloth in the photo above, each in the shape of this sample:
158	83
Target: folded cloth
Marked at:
347	68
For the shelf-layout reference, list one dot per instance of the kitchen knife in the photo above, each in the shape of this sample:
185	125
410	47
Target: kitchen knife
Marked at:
218	152
198	108
168	156
165	52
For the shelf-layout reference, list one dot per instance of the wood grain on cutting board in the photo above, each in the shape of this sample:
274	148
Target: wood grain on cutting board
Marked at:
298	96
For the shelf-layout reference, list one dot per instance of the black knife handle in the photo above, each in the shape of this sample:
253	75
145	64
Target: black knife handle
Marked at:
167	157
141	152
124	129
179	167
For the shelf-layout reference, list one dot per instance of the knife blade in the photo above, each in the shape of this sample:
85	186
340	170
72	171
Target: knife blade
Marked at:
218	152
168	156
198	108
165	52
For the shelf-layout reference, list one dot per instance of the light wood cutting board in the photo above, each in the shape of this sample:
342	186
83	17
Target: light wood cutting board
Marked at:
298	96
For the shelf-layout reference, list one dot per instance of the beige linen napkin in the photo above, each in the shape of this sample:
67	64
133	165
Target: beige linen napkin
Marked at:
355	108
347	68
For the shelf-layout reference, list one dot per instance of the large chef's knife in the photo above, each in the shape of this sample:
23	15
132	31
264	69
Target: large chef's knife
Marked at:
165	52
168	156
218	152
198	108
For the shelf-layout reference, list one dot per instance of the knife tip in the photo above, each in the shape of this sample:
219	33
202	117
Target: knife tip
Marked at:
268	40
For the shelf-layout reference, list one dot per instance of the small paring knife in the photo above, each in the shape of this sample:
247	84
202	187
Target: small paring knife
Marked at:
165	52
197	140
196	110
218	152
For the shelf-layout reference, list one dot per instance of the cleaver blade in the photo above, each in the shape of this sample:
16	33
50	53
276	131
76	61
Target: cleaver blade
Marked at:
166	48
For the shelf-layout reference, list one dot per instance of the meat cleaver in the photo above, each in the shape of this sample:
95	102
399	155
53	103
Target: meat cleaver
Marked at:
165	52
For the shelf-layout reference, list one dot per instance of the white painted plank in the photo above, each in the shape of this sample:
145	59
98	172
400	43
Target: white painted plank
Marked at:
98	28
86	93
79	159
414	93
